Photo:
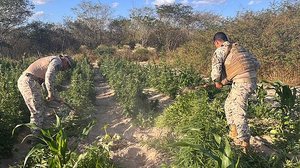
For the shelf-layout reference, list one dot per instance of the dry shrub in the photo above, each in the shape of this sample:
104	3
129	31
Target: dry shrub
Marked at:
85	52
140	54
124	52
196	53
278	71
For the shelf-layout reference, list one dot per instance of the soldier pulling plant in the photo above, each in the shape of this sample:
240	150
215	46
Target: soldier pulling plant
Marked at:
41	71
231	63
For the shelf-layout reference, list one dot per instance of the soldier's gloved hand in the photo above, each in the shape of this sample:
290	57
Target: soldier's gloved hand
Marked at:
218	85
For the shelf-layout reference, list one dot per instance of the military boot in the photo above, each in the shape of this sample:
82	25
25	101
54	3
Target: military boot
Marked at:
245	145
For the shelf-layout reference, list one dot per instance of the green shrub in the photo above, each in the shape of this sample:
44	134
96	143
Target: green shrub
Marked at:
80	97
169	80
128	80
164	79
220	151
259	107
13	109
81	92
104	50
96	157
190	112
196	116
53	149
288	117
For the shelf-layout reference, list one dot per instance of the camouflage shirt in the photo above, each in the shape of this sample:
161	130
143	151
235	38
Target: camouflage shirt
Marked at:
218	59
54	66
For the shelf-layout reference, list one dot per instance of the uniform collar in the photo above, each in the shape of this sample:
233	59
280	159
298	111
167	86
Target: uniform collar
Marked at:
226	43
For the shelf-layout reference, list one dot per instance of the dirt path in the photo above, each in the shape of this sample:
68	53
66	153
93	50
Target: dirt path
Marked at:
130	151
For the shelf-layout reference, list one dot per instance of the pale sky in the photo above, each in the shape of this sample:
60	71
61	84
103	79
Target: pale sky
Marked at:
57	10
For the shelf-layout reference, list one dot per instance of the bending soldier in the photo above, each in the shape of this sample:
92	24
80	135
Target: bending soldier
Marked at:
232	63
41	71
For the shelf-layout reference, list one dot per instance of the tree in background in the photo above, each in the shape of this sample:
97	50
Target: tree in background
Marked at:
49	38
175	15
174	23
119	31
12	14
142	24
38	38
91	23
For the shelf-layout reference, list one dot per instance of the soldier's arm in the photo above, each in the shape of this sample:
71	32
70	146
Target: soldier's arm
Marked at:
53	67
217	65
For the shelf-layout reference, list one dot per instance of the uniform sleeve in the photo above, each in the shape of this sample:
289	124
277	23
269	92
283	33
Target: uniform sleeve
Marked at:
217	64
53	67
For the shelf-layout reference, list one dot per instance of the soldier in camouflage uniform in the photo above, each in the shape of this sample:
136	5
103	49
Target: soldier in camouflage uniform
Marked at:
41	71
231	63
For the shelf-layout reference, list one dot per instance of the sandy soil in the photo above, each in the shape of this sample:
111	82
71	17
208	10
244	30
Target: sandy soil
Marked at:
130	151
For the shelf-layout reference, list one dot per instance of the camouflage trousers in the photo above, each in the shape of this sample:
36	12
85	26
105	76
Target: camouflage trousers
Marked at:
31	92
236	106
